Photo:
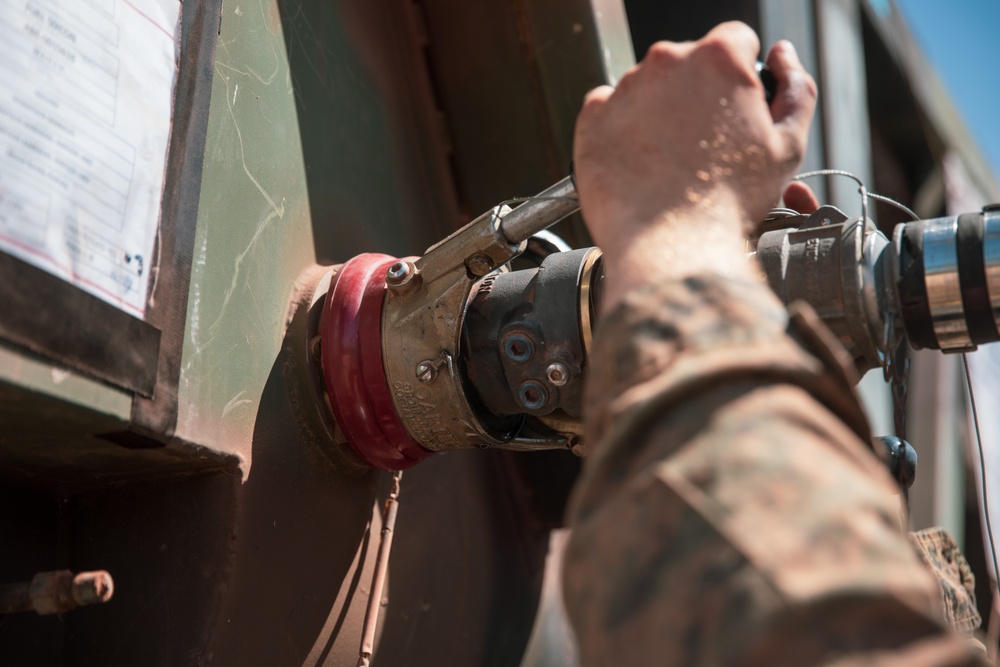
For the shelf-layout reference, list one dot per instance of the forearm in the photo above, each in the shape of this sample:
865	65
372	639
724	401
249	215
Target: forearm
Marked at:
731	511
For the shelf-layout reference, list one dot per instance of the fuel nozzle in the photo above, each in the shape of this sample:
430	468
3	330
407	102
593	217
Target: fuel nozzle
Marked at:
453	350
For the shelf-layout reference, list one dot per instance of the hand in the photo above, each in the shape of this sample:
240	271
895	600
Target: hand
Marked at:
677	163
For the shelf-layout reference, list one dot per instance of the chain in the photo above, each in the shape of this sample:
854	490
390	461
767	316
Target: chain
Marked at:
378	576
898	383
897	373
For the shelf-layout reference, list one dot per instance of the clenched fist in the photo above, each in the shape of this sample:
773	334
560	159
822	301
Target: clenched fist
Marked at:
675	164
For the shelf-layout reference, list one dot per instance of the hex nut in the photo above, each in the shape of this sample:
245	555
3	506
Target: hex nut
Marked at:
532	395
518	348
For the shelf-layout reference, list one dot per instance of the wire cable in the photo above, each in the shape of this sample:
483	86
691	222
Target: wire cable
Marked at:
982	471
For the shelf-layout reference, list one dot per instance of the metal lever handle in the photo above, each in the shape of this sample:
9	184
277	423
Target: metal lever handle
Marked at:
541	211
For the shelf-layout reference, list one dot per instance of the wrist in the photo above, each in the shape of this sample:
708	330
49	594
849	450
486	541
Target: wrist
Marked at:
672	249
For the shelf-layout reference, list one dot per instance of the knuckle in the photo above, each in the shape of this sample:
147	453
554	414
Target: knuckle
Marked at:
793	151
727	47
719	53
737	29
594	101
801	87
716	46
735	32
627	80
662	53
796	152
742	33
596	96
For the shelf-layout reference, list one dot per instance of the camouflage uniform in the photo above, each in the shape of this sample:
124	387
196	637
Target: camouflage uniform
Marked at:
731	512
938	551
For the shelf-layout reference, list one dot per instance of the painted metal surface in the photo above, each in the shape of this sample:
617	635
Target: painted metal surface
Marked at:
281	191
333	129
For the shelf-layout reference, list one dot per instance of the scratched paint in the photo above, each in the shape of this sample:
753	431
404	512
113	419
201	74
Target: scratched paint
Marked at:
253	234
274	203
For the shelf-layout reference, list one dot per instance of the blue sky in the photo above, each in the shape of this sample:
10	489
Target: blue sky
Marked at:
960	38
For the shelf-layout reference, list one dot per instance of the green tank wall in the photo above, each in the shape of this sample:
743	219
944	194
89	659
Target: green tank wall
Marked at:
333	129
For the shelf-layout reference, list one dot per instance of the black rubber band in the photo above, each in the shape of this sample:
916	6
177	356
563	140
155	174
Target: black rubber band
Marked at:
912	289
972	278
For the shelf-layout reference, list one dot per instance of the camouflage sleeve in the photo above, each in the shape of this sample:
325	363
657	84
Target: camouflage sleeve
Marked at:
939	552
731	512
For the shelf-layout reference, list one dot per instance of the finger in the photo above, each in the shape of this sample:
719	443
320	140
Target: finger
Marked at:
737	36
800	197
794	100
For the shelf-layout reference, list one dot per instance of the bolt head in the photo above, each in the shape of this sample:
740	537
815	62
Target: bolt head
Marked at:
399	273
426	372
557	374
479	265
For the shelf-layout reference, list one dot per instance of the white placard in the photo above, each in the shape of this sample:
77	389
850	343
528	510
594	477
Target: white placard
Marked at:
85	101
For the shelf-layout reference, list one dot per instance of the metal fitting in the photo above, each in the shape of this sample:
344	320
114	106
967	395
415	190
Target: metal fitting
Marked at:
518	348
93	587
532	395
57	592
479	265
557	374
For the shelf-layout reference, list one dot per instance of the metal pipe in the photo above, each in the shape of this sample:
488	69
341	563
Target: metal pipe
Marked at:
378	576
541	211
56	592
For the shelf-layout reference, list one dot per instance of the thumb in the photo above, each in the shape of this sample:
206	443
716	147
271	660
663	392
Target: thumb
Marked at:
794	100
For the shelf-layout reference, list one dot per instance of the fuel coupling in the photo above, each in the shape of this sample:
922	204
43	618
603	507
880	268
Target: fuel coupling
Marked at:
452	350
935	284
525	345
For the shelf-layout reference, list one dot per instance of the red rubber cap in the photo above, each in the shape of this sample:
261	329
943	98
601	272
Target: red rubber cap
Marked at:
351	335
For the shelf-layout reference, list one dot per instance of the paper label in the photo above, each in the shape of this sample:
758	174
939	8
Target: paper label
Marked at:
85	100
